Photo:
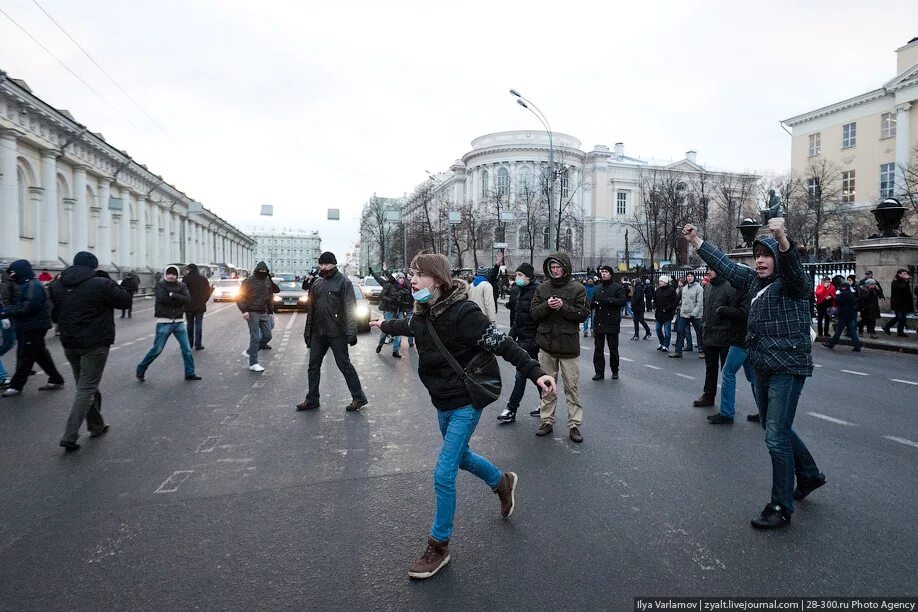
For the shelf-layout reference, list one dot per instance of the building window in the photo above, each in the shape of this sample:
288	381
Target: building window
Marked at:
524	181
888	125
546	238
26	210
815	147
567	240
621	204
484	183
848	186
523	238
849	135
813	191
503	183
565	184
887	180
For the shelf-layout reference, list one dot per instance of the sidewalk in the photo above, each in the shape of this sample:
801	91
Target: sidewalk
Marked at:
885	342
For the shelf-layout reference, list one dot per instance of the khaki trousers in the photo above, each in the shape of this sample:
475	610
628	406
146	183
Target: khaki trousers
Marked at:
570	377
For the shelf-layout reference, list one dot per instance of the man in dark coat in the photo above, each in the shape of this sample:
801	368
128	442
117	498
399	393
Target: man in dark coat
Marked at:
608	300
170	298
846	311
559	307
199	291
330	324
394	302
30	313
716	332
665	302
84	302
638	306
523	332
7	294
900	302
131	284
256	302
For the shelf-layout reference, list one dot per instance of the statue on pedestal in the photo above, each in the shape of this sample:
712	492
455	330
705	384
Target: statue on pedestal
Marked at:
774	207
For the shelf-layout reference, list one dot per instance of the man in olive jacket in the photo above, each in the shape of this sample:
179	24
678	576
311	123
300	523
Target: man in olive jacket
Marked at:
559	307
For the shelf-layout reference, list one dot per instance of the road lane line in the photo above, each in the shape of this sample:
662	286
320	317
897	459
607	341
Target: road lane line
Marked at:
292	319
816	365
902	441
172	484
828	418
652	367
212	312
855	373
626	359
686	376
208	445
114	348
907	382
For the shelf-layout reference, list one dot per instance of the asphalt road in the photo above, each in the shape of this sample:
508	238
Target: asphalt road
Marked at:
217	494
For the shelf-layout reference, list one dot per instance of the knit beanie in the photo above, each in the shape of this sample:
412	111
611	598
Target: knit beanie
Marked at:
481	271
608	268
328	258
526	269
85	258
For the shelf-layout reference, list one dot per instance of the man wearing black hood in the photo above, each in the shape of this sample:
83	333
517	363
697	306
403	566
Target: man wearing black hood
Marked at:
330	324
607	319
199	291
256	301
169	309
30	313
84	302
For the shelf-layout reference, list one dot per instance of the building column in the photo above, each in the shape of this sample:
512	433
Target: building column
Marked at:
903	145
126	244
47	230
104	235
70	207
80	236
141	234
9	197
155	238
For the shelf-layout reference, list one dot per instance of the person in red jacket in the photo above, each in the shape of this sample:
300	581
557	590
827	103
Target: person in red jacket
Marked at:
825	299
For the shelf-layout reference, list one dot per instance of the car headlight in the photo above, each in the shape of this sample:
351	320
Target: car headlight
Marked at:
278	298
304	298
362	310
367	291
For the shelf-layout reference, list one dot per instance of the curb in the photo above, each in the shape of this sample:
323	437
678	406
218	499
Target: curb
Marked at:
882	346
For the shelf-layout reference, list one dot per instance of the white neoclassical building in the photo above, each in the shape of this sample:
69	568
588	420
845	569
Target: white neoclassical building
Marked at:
293	252
64	189
599	188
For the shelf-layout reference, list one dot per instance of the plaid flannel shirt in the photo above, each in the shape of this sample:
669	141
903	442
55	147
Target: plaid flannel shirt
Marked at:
778	336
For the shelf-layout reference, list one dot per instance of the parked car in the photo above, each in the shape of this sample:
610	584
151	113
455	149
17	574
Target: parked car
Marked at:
283	277
291	297
370	288
361	310
227	290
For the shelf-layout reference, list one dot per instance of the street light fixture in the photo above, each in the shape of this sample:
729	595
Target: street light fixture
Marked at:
532	108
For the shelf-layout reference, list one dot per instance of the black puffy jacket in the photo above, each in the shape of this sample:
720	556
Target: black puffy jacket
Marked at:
846	303
665	301
637	298
30	309
170	300
84	307
718	330
256	294
394	298
607	307
525	328
331	306
900	298
464	331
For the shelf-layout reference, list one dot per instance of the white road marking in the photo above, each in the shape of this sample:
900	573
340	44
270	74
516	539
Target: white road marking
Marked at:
626	359
907	382
258	384
686	376
816	365
652	367
211	312
114	348
902	441
128	343
855	373
828	418
172	484
208	445
292	319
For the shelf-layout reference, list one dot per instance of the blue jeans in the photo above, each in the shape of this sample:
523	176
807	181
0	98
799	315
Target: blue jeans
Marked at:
9	341
664	332
396	340
684	333
457	427
851	326
777	396
163	331
736	359
588	323
898	320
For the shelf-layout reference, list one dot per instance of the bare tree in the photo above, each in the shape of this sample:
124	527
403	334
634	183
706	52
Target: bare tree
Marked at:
473	227
647	218
820	198
422	211
531	209
377	227
908	187
732	196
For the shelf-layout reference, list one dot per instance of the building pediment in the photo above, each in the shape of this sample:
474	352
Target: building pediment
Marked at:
906	78
684	165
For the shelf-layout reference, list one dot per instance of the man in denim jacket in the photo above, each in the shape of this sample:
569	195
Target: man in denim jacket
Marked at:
779	347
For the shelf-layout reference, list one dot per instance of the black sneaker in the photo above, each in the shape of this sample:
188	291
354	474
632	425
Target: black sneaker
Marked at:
805	487
719	419
306	405
70	446
507	416
772	517
99	432
140	377
753	418
675	355
635	338
535	412
647	336
597	376
614	375
356	405
396	355
379	348
264	347
192	377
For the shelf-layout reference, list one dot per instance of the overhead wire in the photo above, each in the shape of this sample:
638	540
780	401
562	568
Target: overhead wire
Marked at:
69	69
101	69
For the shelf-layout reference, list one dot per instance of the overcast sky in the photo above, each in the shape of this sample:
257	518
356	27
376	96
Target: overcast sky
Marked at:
308	105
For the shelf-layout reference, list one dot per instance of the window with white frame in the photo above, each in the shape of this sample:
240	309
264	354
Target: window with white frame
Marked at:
887	180
546	238
503	182
887	125
565	184
848	186
849	135
815	147
813	191
484	183
621	203
567	240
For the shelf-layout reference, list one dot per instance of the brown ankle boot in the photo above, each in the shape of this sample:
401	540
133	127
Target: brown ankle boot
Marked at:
505	492
435	557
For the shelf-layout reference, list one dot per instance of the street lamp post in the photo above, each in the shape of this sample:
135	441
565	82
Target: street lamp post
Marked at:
528	105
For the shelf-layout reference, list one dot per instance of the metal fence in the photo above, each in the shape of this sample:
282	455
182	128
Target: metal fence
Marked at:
830	269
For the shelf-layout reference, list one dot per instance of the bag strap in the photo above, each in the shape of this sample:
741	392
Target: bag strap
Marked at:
449	357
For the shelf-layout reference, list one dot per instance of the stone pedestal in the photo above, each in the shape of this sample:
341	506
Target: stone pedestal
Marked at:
743	256
883	256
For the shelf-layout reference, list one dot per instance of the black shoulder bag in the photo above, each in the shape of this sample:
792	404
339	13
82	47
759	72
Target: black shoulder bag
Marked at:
481	377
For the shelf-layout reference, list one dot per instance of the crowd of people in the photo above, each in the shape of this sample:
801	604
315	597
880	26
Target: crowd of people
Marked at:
756	318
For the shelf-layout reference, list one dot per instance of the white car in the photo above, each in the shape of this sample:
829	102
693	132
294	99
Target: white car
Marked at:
370	288
227	290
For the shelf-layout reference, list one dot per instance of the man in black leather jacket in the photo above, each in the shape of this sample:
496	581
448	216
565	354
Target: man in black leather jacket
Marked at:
330	324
